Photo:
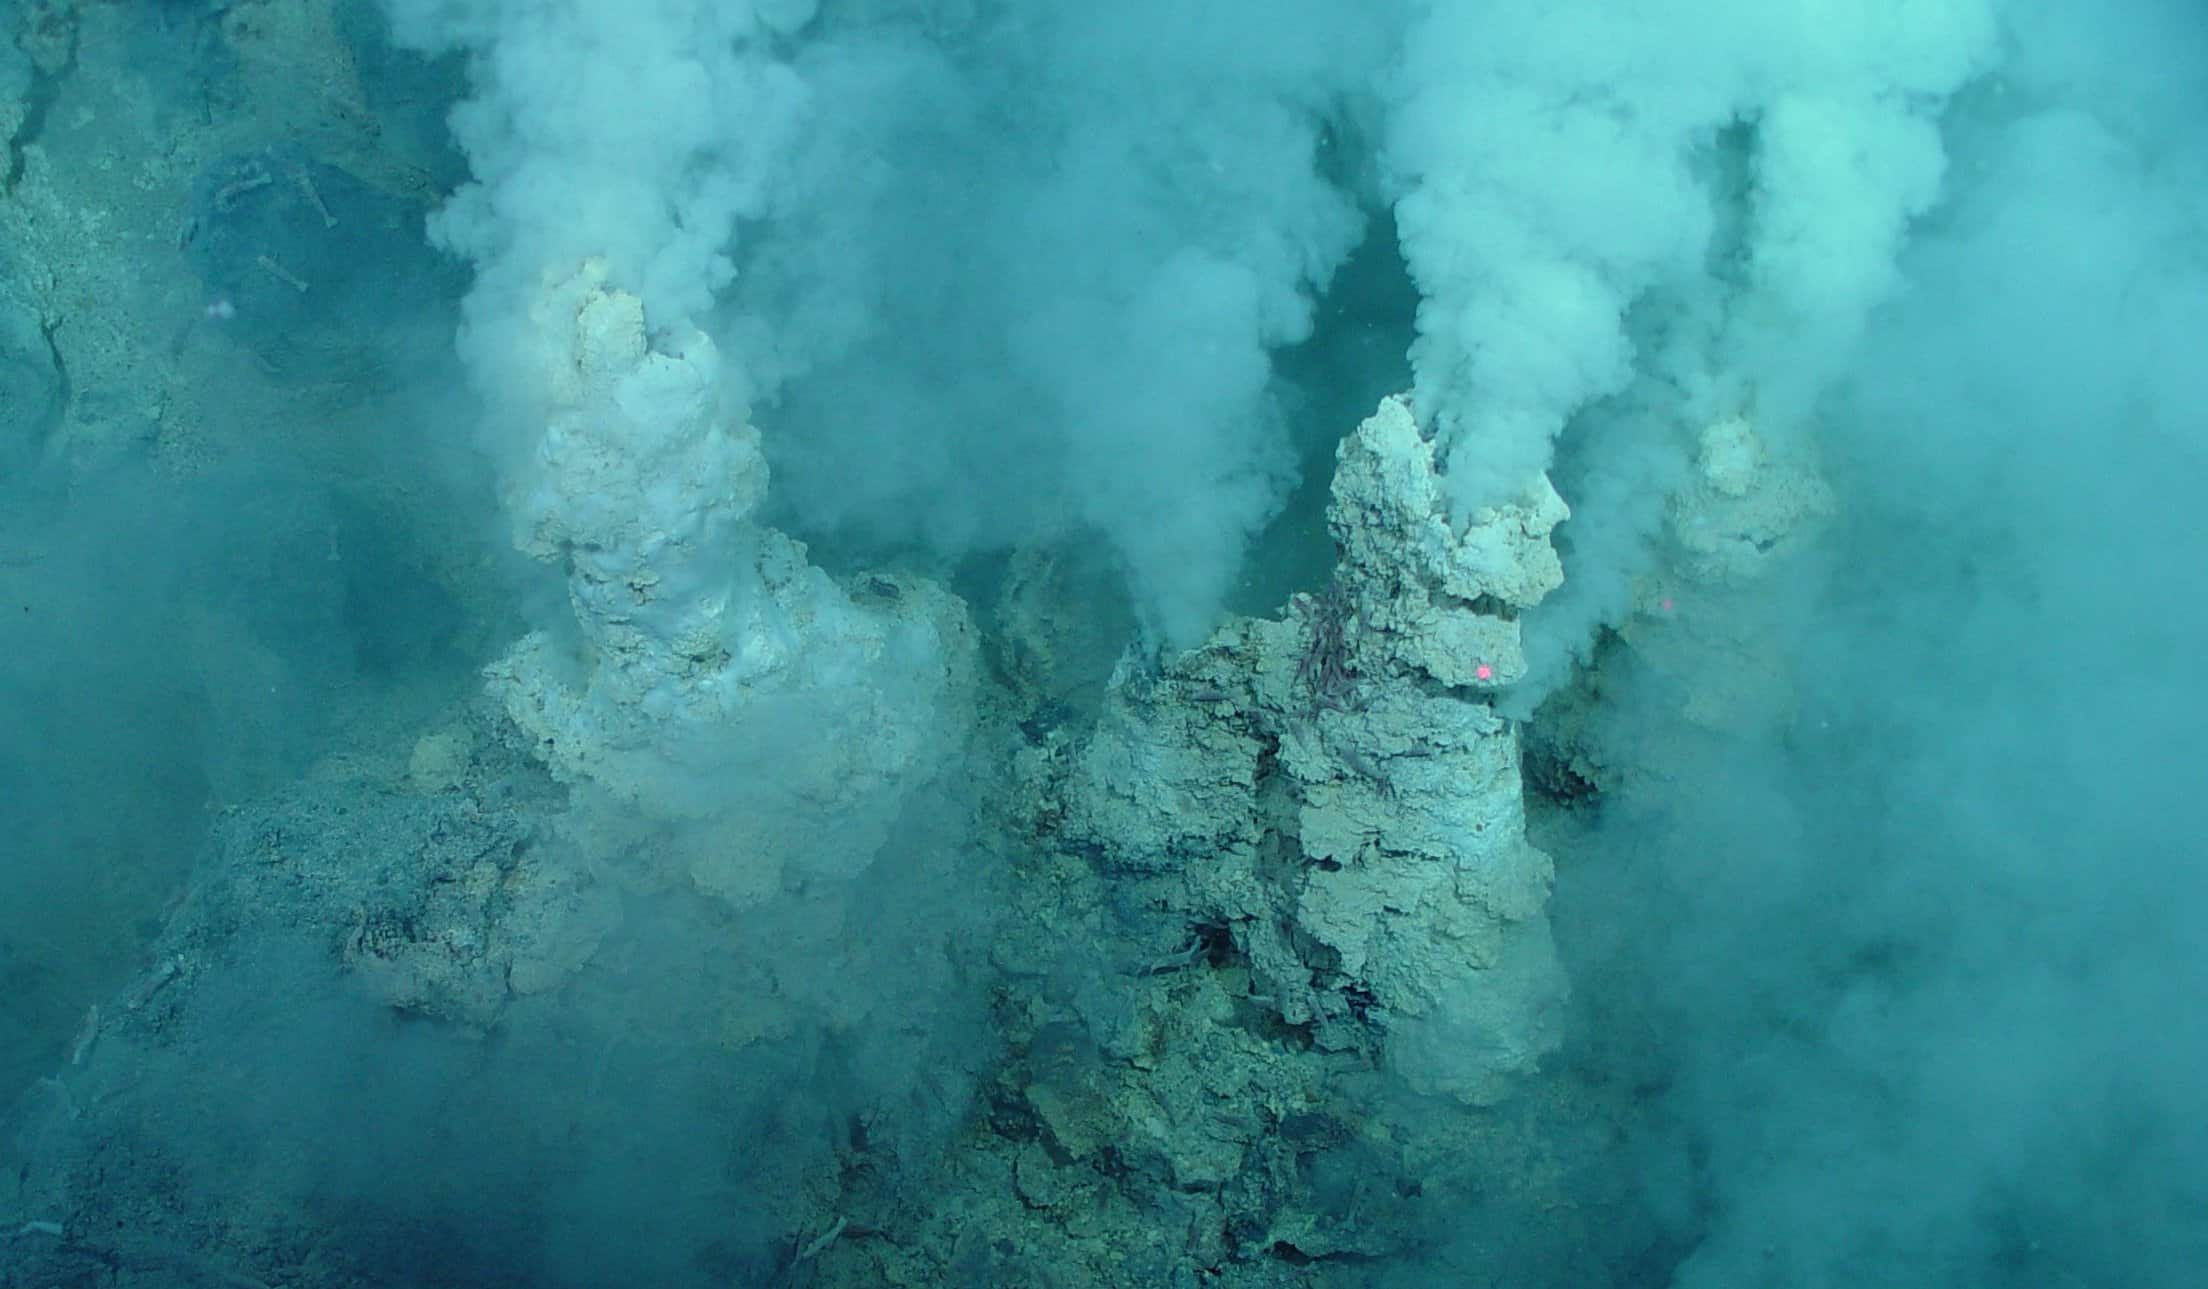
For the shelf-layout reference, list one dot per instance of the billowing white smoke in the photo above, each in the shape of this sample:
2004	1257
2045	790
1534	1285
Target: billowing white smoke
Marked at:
637	131
1748	169
1015	272
1034	266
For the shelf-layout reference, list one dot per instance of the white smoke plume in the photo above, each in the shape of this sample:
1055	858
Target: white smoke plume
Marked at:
1557	164
1007	273
638	133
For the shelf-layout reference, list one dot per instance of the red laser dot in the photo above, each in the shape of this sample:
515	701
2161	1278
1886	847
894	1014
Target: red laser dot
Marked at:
1666	605
1484	672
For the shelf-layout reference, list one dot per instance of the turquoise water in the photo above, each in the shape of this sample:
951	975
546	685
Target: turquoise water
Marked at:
778	644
